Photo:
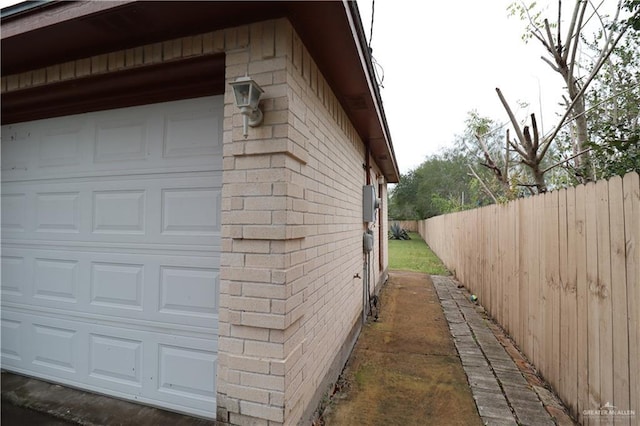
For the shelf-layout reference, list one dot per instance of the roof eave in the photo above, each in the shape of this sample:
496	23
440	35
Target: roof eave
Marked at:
367	64
332	32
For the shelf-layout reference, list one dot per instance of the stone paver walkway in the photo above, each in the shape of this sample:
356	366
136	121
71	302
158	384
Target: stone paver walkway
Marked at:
502	394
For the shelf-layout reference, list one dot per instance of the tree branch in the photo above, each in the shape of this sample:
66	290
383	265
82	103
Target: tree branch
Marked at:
512	117
575	42
517	149
559	22
535	31
527	140
495	200
506	158
542	40
565	160
490	164
551	64
536	137
570	35
554	50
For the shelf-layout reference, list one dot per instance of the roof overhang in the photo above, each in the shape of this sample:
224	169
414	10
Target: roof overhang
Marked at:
39	34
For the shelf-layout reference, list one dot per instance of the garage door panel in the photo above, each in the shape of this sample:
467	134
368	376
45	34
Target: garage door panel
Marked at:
121	140
15	217
57	212
187	372
176	371
188	211
116	359
187	133
117	284
11	348
173	136
15	273
188	292
55	347
56	279
60	146
152	210
111	251
165	288
18	148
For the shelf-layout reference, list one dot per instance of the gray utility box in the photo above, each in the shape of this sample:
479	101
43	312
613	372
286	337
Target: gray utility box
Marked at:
369	203
367	241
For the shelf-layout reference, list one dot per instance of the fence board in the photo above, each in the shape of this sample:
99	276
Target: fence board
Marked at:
550	289
631	188
604	293
566	361
525	243
502	302
537	282
485	296
593	328
620	331
514	283
569	304
582	291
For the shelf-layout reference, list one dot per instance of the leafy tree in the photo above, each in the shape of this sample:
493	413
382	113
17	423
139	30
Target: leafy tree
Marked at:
563	58
441	184
633	7
490	160
614	111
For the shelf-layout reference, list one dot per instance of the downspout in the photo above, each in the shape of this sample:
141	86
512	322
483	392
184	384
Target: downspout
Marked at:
366	281
367	163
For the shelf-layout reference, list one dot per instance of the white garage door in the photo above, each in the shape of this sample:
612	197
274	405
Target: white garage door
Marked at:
111	251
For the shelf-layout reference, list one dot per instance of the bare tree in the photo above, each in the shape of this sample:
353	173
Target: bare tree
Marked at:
530	145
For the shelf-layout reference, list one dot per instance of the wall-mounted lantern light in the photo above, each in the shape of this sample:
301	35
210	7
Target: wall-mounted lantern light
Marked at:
247	93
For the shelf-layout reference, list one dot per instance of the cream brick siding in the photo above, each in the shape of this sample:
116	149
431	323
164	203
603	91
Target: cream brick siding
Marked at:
291	290
292	264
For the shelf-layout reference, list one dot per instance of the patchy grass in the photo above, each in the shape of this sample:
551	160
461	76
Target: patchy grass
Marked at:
414	255
404	369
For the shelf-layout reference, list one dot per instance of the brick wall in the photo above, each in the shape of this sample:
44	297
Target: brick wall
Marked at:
292	246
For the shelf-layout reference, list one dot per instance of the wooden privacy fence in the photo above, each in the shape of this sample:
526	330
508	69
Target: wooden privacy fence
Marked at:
561	273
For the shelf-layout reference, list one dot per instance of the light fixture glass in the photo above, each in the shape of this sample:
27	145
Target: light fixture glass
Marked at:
247	94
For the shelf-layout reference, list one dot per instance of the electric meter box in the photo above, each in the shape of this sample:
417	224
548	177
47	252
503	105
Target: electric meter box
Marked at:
367	241
369	203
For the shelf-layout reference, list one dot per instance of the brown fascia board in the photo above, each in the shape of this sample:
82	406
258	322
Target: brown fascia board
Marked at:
57	32
57	12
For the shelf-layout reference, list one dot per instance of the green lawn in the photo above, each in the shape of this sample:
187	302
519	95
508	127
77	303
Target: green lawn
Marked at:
414	255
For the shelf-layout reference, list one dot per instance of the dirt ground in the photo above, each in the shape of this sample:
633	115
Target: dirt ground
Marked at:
404	369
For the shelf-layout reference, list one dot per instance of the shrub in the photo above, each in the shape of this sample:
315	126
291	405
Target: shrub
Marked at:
396	232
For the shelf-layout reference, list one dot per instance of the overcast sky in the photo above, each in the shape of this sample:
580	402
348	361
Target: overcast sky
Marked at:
442	59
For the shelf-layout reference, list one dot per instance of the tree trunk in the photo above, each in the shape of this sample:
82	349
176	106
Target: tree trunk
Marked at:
580	122
538	178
